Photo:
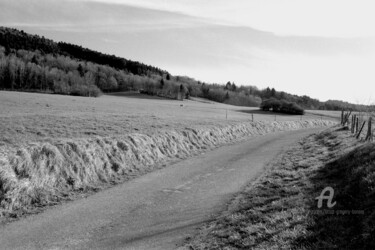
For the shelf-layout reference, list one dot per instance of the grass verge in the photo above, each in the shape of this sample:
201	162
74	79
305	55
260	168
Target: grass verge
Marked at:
45	173
280	211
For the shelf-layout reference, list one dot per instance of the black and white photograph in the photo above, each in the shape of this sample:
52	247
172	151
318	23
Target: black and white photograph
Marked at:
187	124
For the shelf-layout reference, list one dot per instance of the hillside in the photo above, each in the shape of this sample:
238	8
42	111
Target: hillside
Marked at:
33	63
19	40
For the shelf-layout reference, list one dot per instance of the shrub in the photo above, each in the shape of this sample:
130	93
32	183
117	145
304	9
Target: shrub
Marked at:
282	107
84	90
272	103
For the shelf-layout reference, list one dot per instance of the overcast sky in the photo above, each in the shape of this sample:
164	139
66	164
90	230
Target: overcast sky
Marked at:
321	48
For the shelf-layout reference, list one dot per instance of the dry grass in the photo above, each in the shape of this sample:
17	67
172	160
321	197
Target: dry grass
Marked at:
53	147
26	117
280	210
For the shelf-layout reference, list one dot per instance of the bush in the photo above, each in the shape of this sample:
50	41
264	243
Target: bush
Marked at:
269	104
84	90
282	107
293	108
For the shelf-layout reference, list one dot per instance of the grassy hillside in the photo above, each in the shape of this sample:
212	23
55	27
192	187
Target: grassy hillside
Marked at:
280	211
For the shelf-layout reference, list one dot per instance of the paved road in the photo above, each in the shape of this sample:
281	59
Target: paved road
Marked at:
155	211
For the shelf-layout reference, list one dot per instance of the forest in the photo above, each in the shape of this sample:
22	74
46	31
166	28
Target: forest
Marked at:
33	63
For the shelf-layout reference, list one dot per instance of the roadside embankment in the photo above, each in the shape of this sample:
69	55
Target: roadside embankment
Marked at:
39	174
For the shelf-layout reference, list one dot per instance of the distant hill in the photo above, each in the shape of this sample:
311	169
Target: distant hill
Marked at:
34	63
16	39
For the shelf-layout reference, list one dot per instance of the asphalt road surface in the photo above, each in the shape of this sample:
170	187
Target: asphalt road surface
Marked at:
155	211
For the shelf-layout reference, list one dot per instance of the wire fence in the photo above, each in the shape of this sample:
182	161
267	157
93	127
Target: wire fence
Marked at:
357	123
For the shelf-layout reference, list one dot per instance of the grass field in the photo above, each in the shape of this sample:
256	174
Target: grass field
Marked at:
53	146
280	210
363	116
28	117
324	113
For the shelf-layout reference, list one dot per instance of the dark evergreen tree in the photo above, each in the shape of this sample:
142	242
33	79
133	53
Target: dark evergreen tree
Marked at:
273	92
228	86
80	70
234	87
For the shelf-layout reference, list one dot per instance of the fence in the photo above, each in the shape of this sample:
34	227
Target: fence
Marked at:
357	123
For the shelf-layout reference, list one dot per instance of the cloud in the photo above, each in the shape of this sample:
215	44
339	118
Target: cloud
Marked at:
162	30
88	16
334	18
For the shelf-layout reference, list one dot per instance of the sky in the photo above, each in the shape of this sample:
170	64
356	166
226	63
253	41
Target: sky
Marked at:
321	48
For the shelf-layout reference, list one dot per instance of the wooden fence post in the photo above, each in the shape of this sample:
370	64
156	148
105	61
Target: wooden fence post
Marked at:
369	130
360	131
346	117
353	123
342	117
356	124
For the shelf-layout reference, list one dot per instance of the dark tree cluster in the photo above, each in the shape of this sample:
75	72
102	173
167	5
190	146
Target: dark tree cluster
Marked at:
85	54
303	101
13	39
307	102
341	105
281	107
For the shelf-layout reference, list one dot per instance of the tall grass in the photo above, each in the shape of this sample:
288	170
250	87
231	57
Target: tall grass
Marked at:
44	173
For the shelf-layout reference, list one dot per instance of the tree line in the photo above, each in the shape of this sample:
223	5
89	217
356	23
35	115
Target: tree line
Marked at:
306	102
18	39
53	73
34	63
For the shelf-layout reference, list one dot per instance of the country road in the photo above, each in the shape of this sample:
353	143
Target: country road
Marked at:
155	211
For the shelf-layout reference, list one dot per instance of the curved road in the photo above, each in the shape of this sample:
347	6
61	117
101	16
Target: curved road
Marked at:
155	211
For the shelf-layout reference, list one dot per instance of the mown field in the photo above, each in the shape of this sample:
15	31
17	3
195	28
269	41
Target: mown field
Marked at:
324	113
27	117
363	116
